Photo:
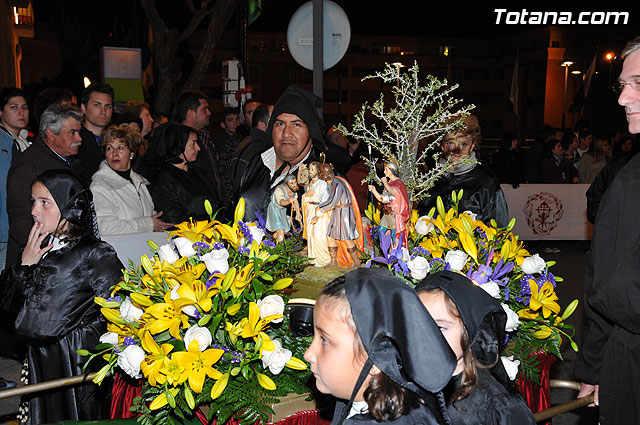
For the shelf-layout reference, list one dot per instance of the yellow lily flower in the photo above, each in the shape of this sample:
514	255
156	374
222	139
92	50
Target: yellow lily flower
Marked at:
197	365
230	233
194	231
543	333
155	361
254	325
242	279
437	244
513	249
194	292
526	313
373	214
235	329
544	298
173	372
162	316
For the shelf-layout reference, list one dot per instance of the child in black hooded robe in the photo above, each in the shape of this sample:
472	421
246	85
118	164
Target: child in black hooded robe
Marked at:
473	322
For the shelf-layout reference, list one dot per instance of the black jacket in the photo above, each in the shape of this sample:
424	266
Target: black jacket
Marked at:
421	415
179	195
89	154
611	342
481	195
489	403
57	315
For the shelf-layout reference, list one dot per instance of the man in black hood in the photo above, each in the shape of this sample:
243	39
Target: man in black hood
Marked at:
295	132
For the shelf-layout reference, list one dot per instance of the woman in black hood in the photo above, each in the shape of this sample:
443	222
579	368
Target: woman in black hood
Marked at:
176	189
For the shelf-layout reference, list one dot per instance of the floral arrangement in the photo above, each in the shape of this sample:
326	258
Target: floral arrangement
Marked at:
202	321
494	259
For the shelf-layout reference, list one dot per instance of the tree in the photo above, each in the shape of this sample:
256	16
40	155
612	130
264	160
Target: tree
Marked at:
167	42
421	112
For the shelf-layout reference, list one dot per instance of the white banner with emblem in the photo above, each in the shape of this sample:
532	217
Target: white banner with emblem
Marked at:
549	211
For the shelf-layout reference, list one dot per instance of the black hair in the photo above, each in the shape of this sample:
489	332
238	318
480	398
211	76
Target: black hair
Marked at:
228	111
8	92
260	114
188	100
96	88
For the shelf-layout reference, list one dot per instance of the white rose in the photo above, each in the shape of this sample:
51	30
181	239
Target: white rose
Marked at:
185	247
492	289
130	312
166	253
276	359
473	216
189	310
513	320
256	233
216	259
199	334
270	305
423	225
533	264
511	366
456	259
130	359
109	338
419	267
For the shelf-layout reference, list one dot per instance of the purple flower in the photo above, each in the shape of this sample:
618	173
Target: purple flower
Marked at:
482	275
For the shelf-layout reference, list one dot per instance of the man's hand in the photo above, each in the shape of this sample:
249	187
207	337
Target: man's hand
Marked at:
586	389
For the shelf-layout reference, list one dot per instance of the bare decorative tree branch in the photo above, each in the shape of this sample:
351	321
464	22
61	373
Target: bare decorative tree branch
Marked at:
426	112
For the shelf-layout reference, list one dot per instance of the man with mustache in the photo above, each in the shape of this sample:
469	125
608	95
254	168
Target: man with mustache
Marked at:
55	147
606	363
295	128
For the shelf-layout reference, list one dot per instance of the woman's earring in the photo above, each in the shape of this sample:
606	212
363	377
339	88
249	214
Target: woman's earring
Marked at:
131	156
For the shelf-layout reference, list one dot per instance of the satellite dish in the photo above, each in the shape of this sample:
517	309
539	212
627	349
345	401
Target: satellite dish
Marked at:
336	34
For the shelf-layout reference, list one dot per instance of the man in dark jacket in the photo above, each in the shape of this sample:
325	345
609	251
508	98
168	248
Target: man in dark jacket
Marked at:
295	129
607	361
56	145
96	103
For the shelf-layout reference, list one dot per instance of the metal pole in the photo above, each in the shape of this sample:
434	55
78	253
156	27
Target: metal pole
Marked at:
564	99
48	385
318	65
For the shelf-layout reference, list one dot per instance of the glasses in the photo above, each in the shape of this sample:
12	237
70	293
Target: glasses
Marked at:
618	86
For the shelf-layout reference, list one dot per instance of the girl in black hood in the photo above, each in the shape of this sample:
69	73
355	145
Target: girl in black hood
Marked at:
371	338
473	323
51	291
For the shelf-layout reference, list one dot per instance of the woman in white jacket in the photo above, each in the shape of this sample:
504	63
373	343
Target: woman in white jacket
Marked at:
122	202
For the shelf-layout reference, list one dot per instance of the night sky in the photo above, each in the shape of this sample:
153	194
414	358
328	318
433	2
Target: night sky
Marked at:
417	18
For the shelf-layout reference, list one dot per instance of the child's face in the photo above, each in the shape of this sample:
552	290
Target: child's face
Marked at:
450	325
331	355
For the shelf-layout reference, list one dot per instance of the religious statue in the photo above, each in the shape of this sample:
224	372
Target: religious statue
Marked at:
317	192
396	204
283	196
344	232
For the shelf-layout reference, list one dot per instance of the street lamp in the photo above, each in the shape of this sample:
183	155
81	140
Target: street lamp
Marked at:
566	64
609	57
